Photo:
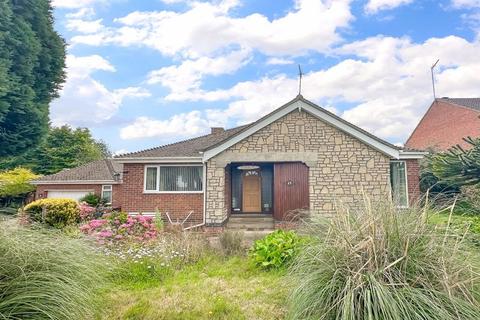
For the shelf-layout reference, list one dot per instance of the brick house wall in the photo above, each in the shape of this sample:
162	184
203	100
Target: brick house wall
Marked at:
178	205
341	167
413	180
117	193
443	126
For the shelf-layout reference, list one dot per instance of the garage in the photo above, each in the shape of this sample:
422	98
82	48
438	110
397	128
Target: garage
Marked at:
68	194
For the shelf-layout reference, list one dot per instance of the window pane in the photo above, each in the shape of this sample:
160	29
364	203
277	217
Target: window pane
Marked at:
107	196
399	183
151	179
181	178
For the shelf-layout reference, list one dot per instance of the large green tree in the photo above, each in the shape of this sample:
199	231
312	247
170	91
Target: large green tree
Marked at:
63	148
32	61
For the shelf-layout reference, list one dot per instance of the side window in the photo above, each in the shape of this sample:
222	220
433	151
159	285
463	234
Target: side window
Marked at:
107	193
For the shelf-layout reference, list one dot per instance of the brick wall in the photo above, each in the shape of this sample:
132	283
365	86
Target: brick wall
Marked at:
413	179
444	126
341	167
117	194
177	205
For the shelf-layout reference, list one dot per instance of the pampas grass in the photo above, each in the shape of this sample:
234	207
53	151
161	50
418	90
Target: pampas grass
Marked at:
383	263
45	275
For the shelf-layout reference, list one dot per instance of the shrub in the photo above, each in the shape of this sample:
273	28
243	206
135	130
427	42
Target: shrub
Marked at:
54	212
15	185
275	250
47	275
118	226
232	242
87	212
91	199
383	263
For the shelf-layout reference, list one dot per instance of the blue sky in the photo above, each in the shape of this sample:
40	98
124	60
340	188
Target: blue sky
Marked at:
147	73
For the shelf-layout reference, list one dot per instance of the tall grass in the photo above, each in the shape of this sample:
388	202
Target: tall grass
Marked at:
45	275
383	263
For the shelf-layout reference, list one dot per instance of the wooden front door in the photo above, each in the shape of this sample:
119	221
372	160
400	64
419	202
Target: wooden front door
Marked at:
290	189
252	192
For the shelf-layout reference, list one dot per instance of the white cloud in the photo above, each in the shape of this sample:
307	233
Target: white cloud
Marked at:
388	79
279	61
181	125
81	13
374	6
84	26
83	100
466	3
184	79
208	27
74	4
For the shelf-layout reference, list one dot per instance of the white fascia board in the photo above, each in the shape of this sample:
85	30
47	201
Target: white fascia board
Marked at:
374	143
412	154
76	182
161	160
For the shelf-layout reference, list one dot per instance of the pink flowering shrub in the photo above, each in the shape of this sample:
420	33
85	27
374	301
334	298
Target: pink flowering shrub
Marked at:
86	211
118	226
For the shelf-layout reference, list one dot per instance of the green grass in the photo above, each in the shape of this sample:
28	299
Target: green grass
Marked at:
212	288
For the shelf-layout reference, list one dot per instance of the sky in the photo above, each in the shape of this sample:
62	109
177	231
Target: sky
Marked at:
146	73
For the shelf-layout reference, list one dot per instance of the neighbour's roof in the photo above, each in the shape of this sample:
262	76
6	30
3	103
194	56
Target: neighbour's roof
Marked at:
100	170
187	148
472	103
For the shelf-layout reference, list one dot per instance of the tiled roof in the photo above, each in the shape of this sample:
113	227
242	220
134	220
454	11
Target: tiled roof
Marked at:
472	103
100	170
186	148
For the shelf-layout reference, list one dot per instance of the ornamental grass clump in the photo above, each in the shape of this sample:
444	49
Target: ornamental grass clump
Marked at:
46	275
383	263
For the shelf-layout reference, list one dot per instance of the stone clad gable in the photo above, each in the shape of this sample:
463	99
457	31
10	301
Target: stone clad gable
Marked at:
340	166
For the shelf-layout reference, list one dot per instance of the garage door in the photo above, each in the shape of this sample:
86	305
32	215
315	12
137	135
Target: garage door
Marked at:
67	194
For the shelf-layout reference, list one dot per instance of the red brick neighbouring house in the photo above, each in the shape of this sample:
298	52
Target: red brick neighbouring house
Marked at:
446	123
299	156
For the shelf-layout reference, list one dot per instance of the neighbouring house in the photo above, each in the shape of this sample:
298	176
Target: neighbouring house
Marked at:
446	123
300	156
102	177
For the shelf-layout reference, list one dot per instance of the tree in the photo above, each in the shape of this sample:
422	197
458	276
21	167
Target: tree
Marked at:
15	184
63	148
32	61
458	166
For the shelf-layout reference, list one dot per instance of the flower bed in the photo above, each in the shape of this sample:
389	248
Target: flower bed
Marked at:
118	226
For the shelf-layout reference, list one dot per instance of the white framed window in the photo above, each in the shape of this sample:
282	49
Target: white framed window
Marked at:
173	179
399	183
107	193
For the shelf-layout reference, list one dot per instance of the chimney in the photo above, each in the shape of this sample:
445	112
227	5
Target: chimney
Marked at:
217	130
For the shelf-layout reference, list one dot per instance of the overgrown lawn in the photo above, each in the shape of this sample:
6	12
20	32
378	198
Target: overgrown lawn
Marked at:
213	288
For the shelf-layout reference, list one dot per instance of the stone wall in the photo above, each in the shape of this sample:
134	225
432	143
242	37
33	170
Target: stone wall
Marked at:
341	167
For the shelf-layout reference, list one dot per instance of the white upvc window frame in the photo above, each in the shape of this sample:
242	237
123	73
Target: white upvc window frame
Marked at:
104	189
406	184
158	166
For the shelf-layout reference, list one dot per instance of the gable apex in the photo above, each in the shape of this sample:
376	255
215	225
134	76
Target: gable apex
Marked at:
303	105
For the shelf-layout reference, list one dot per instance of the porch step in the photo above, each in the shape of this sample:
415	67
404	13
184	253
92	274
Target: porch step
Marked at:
251	222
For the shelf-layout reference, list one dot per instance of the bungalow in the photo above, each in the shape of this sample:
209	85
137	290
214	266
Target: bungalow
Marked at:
300	156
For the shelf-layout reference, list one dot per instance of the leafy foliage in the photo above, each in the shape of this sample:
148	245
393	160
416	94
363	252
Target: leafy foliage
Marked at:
383	263
91	199
57	213
275	250
32	61
16	182
63	148
458	166
47	276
